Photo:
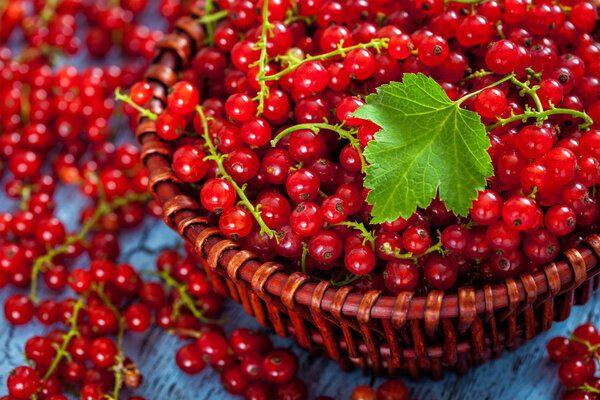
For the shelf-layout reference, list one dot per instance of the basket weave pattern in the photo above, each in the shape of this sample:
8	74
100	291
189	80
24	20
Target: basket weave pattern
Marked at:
412	335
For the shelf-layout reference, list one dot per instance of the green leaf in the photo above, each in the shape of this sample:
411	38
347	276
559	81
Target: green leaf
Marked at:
427	144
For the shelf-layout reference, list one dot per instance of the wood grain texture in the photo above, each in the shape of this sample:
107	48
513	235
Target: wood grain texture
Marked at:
525	374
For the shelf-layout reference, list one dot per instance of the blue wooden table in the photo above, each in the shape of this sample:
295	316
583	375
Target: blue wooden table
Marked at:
524	374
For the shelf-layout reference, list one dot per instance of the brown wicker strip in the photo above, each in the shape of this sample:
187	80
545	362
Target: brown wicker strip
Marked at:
450	341
363	316
288	291
466	308
185	223
324	326
527	308
340	297
433	309
193	30
236	263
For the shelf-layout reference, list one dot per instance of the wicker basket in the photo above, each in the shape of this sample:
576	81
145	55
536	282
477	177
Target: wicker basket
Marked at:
412	335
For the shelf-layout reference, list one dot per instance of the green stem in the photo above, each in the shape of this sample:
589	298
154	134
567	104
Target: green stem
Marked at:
118	366
344	134
293	18
531	91
532	74
47	258
48	10
378	44
541	116
209	18
410	256
263	59
127	99
218	158
25	105
468	96
303	260
3	5
185	297
73	331
367	235
586	387
25	197
476	74
464	1
209	27
103	207
349	279
184	332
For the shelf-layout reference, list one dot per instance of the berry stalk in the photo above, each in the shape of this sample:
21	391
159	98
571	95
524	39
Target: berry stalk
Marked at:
263	59
410	256
214	17
367	235
343	133
48	10
118	366
127	99
187	300
3	5
73	332
218	158
303	259
540	116
473	94
378	44
209	27
348	280
104	207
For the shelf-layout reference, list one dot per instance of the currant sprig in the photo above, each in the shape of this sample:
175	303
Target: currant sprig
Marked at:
349	135
219	158
61	352
25	105
118	367
119	96
348	279
209	24
3	5
540	114
263	60
214	17
48	11
293	63
303	258
186	299
368	236
103	207
410	256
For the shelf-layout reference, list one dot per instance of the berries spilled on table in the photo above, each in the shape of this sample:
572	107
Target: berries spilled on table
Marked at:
578	358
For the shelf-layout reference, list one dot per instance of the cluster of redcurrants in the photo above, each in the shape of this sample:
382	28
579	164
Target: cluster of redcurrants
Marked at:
247	363
578	357
112	299
249	366
308	188
50	27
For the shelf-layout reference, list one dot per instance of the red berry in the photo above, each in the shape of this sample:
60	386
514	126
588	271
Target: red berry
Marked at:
18	309
184	98
22	382
279	367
